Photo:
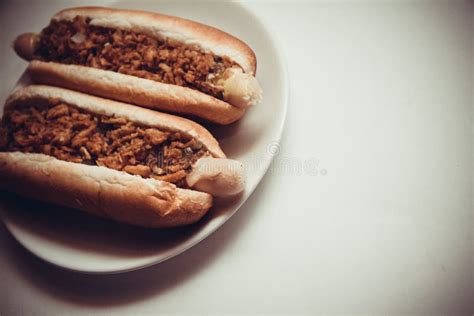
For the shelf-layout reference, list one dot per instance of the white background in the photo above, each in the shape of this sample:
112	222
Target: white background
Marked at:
381	97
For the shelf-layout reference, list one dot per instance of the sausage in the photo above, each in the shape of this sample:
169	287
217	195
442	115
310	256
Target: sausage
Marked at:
26	45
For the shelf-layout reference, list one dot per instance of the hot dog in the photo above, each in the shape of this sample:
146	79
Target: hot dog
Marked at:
111	159
149	59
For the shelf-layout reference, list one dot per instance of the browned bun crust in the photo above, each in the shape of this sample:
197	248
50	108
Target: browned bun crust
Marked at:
158	25
101	191
139	91
168	122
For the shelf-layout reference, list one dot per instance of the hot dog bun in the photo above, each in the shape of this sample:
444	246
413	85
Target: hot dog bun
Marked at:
111	193
239	86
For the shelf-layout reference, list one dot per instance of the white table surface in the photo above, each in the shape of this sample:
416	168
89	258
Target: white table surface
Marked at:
381	108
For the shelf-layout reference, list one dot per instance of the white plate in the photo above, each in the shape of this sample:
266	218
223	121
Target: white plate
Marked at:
77	241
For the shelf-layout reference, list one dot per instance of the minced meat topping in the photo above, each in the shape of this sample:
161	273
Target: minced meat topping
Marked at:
74	135
132	53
